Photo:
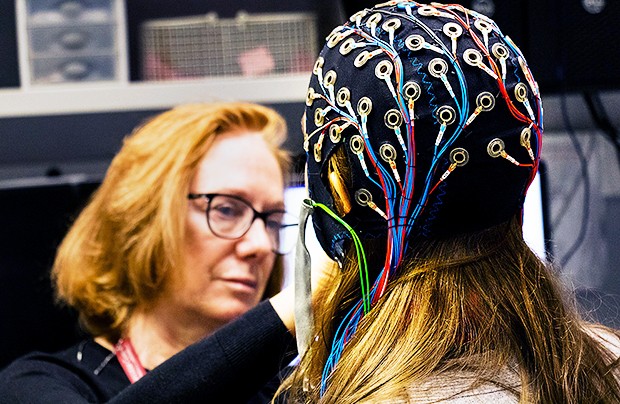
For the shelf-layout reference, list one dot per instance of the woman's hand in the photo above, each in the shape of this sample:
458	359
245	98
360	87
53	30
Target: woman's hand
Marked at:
323	270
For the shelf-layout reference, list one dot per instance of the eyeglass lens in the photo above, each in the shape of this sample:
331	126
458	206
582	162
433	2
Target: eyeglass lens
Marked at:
231	218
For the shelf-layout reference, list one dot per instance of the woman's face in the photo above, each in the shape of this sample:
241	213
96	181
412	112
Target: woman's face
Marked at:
222	278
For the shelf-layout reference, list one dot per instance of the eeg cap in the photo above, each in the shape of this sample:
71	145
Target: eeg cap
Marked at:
439	118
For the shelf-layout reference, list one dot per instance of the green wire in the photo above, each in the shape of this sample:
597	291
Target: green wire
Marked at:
361	256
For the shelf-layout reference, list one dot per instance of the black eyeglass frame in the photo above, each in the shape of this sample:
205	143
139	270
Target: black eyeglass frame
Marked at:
256	214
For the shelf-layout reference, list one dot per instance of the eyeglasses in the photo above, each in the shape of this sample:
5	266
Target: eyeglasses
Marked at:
230	217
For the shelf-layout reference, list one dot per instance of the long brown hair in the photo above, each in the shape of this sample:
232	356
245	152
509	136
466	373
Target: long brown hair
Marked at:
474	304
127	241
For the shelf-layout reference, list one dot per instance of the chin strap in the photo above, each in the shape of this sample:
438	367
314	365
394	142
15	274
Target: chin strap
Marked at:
303	286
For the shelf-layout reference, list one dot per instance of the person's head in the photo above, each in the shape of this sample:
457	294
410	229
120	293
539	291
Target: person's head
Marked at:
164	227
432	115
423	132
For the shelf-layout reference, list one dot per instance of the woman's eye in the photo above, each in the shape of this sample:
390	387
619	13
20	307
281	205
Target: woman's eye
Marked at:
274	225
274	221
227	210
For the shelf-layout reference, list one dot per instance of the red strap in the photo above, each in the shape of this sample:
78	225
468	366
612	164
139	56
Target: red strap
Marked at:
129	360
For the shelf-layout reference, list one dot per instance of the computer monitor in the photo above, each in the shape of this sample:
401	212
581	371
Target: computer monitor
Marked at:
535	225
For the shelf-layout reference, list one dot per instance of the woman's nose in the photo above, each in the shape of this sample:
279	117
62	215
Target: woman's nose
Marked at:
257	239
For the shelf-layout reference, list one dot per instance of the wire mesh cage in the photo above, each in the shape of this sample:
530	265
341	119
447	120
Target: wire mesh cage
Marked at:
248	45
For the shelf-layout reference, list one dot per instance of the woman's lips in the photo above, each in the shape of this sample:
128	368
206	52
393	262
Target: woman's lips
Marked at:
242	284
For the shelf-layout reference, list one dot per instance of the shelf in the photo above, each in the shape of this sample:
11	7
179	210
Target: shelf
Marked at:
92	97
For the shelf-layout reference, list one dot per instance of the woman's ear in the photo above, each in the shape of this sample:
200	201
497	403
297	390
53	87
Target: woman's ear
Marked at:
342	201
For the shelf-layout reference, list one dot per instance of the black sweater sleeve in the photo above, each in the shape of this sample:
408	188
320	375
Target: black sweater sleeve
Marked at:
229	366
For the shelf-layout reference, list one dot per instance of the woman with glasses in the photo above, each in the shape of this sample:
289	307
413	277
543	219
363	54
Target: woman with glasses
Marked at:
184	235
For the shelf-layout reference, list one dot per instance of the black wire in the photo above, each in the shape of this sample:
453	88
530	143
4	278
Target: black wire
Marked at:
601	119
586	186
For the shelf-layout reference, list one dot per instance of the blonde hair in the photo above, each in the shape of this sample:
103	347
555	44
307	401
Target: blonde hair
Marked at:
472	304
124	245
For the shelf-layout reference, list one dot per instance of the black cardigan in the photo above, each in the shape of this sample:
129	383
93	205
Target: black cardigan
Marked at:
237	364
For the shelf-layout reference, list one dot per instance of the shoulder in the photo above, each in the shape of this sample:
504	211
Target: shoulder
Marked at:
64	375
465	388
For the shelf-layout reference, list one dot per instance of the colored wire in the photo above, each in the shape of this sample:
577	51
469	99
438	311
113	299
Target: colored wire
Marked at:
359	248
